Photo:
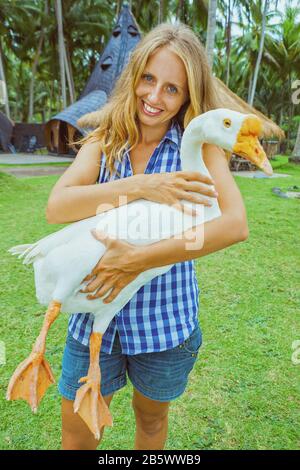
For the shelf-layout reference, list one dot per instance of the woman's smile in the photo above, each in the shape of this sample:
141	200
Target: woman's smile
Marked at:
150	110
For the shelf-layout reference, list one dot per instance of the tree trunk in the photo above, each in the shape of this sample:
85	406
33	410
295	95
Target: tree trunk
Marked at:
211	31
179	11
3	84
33	72
69	75
118	8
260	52
250	85
59	20
161	12
228	43
34	68
296	152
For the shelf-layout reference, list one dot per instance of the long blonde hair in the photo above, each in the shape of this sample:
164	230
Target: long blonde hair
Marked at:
116	121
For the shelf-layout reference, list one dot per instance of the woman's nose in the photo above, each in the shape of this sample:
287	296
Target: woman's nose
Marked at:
155	96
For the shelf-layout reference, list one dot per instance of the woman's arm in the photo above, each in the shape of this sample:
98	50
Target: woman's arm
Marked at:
123	262
76	195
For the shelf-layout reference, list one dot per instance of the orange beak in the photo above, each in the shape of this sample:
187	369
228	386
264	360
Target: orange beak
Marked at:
248	146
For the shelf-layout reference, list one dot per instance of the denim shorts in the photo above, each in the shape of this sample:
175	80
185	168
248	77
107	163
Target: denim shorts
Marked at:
160	376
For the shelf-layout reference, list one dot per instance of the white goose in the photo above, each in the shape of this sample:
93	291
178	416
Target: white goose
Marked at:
63	259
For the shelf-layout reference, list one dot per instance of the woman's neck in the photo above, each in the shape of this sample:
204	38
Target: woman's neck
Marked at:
152	135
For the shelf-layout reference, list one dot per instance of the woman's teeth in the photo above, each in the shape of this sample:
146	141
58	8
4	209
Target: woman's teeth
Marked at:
149	110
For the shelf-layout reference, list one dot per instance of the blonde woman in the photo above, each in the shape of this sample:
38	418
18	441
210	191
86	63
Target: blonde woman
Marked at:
135	152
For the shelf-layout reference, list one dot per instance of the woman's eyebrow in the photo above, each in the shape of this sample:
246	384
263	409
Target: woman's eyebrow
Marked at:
169	83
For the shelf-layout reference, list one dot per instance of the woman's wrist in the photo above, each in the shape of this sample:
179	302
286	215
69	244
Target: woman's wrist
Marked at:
137	257
138	186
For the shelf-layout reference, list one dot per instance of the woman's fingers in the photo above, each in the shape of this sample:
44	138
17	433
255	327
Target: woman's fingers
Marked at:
115	291
195	176
88	277
195	198
200	188
94	284
103	290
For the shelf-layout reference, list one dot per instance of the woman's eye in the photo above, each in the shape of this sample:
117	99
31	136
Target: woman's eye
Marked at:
147	77
173	89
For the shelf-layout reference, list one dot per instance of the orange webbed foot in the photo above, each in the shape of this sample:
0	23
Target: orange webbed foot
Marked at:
30	380
90	405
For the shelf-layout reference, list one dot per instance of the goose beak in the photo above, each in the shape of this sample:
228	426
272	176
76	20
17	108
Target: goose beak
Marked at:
248	146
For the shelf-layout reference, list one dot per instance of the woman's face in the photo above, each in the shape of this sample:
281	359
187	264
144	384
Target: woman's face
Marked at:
162	89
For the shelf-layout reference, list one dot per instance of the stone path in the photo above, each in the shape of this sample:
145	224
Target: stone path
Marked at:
29	158
29	172
20	160
258	174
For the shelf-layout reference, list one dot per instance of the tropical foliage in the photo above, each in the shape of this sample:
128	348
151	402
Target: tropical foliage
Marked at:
29	49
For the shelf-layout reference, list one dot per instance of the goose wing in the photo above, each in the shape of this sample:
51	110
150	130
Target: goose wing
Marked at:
31	252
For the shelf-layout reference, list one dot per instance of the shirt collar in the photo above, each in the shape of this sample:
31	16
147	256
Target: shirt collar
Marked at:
174	135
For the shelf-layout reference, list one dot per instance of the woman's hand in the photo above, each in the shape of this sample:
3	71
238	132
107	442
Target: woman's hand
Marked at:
171	188
117	268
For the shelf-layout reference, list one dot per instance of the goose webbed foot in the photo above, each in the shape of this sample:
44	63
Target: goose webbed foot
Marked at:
33	376
90	404
30	380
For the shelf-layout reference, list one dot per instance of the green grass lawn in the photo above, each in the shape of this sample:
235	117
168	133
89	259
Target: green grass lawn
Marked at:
244	392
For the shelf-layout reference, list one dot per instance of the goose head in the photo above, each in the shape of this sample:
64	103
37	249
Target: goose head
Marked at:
232	131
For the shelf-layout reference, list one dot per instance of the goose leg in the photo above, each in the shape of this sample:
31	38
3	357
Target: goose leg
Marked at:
33	376
89	403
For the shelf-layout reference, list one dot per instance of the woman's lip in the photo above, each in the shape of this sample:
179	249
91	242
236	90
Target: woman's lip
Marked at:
150	114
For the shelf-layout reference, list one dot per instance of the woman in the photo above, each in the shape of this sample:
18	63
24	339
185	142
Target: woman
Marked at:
155	338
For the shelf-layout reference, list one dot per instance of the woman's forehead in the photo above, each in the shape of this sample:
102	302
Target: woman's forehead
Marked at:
167	65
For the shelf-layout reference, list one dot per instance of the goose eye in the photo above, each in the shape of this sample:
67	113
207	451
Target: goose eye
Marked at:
227	122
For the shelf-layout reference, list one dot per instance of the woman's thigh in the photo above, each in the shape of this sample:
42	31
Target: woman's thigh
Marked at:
163	376
75	364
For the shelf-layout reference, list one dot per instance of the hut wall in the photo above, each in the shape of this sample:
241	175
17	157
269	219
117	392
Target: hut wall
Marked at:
23	132
52	135
58	134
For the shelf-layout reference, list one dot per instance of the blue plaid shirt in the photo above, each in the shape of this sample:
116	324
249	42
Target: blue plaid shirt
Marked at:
162	313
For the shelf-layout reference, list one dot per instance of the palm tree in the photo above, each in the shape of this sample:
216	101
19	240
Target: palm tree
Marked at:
283	59
59	19
211	30
3	89
44	20
260	53
161	11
